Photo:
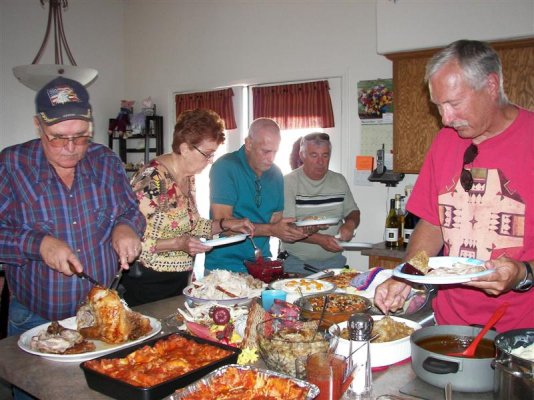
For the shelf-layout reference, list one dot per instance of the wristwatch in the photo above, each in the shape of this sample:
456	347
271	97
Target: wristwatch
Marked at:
528	280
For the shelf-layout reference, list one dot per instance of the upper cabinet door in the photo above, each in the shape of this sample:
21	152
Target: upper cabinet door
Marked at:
416	120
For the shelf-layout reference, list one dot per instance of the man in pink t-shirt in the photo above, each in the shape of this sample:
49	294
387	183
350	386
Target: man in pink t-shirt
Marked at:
475	192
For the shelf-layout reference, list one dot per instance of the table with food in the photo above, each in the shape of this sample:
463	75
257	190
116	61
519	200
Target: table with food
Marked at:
217	341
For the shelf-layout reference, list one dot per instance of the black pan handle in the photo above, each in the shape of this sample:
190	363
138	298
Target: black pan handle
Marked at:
311	268
441	367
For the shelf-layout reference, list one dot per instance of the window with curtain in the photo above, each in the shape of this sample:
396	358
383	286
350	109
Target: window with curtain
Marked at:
295	106
219	101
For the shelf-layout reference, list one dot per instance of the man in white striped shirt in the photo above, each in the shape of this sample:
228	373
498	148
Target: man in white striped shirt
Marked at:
313	191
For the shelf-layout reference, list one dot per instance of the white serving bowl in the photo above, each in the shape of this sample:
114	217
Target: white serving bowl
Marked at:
382	354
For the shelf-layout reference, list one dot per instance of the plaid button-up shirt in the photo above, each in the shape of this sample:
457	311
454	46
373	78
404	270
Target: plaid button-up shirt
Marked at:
35	203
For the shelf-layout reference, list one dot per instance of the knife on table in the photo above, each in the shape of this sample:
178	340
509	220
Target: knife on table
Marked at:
322	274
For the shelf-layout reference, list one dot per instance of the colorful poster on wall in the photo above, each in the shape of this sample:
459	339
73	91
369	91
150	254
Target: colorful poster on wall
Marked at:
375	101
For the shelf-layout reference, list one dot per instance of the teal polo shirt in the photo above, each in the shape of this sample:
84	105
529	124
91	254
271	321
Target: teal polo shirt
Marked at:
233	183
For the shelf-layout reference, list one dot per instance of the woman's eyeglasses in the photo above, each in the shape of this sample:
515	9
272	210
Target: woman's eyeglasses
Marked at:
466	178
208	157
257	199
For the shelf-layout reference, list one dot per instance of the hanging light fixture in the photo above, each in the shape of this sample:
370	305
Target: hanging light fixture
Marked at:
36	75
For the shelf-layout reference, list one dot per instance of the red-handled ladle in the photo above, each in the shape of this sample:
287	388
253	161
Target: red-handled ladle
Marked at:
470	351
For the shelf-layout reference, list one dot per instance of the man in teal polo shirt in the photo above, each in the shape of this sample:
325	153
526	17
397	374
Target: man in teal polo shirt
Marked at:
247	184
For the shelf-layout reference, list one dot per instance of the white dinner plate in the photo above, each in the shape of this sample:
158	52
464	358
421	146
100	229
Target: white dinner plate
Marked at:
317	221
368	293
224	240
355	245
437	262
306	285
101	347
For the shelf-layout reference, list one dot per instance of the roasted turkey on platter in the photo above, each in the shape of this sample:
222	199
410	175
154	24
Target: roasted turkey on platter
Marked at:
107	318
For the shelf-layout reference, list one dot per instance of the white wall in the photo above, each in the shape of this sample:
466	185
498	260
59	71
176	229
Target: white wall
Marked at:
415	24
95	34
218	43
155	48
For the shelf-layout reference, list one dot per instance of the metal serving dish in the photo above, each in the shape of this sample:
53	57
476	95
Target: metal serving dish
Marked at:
514	376
313	390
418	308
339	308
121	390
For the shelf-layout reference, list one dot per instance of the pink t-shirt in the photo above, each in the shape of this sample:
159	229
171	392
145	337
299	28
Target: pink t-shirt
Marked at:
495	217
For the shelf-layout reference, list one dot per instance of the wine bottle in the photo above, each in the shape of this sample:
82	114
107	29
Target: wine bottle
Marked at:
392	226
409	226
400	216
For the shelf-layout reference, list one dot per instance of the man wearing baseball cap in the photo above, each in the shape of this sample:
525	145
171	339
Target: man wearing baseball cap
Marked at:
65	207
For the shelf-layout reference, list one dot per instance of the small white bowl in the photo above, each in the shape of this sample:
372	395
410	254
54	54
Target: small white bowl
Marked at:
382	354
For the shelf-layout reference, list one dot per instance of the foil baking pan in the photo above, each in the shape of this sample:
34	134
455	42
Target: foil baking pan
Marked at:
180	394
121	390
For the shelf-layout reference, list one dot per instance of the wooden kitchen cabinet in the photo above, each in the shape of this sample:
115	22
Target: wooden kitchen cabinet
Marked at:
384	262
384	257
416	120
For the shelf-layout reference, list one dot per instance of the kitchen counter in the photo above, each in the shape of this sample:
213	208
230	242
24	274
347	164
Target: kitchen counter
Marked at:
382	256
55	380
380	249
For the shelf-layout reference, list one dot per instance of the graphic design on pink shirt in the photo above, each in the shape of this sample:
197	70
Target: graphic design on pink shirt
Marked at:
490	212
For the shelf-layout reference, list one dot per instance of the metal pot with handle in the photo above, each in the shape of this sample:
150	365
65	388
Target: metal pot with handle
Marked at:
514	376
465	374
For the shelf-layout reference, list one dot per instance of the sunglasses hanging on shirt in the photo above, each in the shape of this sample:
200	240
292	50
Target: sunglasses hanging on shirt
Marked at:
466	178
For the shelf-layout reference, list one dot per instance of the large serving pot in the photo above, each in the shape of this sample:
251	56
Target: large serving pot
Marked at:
514	376
465	374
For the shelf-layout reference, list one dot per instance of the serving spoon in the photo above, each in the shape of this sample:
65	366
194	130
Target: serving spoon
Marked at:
257	251
325	304
470	351
304	301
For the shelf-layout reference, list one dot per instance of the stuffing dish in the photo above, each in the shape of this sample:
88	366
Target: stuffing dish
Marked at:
282	341
387	330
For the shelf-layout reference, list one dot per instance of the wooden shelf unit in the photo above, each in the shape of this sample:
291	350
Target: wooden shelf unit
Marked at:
153	141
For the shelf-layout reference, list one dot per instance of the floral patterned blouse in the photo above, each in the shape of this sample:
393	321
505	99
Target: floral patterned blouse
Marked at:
169	214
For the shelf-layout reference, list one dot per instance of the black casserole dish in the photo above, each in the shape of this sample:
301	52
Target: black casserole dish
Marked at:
122	390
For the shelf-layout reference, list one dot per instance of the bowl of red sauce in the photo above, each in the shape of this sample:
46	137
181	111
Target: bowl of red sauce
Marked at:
265	269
